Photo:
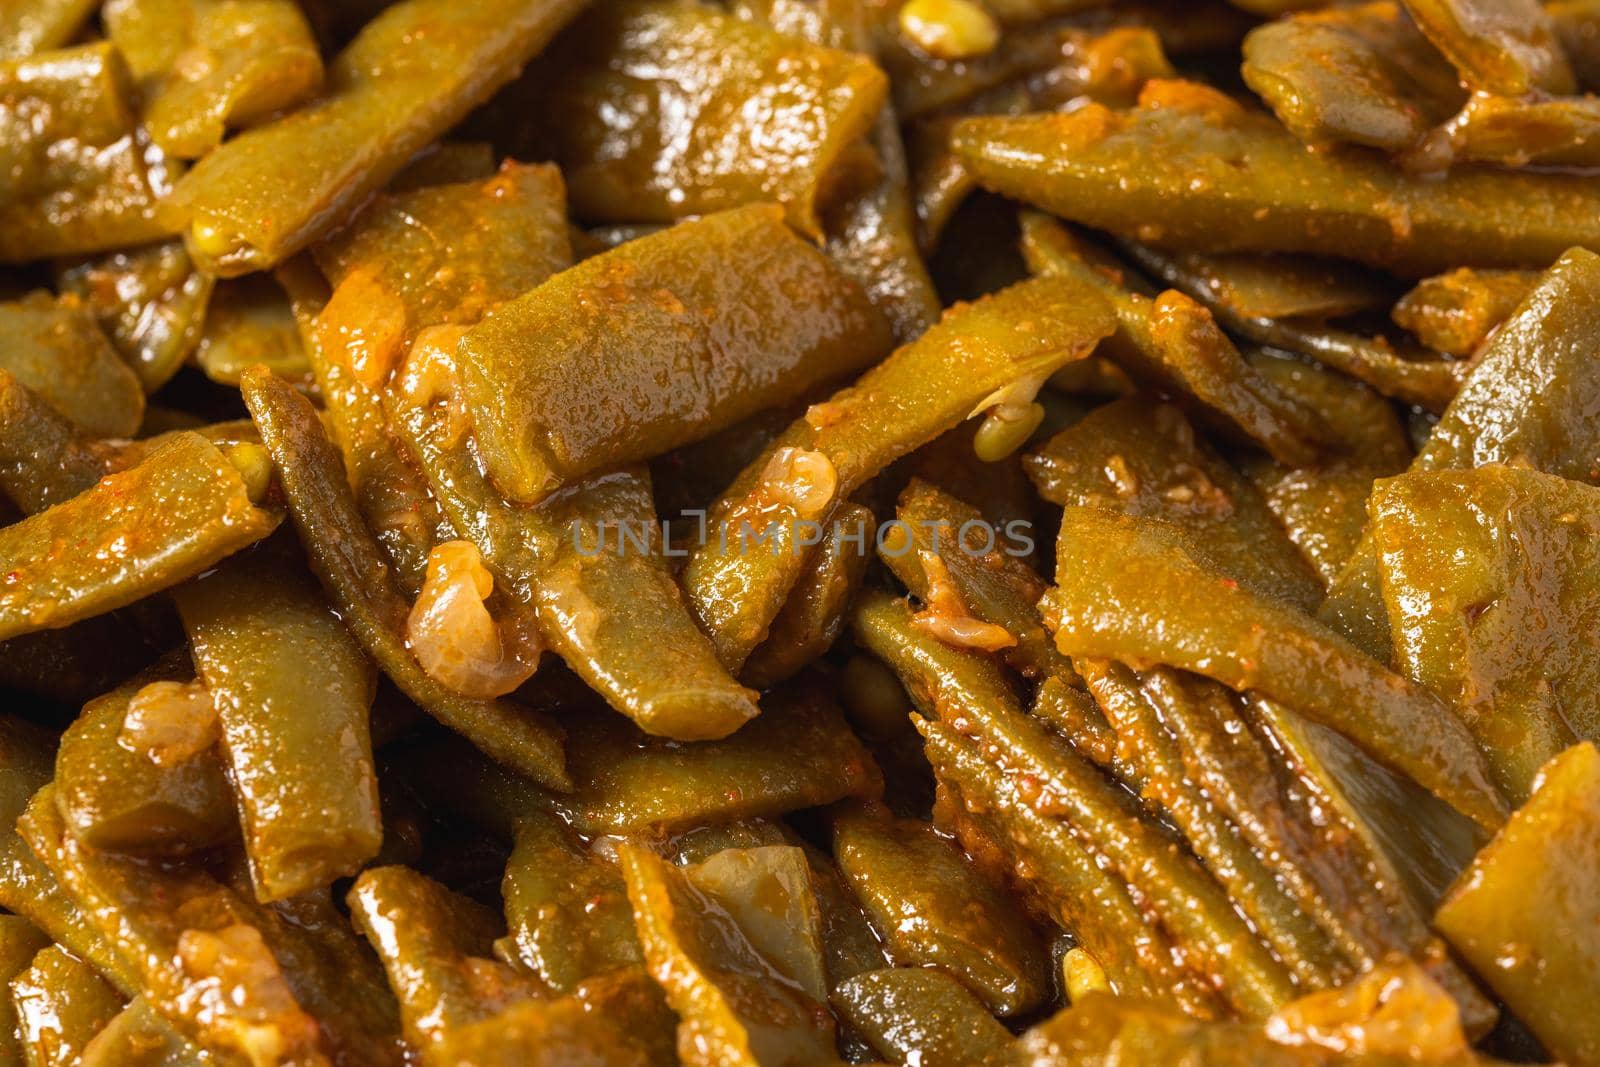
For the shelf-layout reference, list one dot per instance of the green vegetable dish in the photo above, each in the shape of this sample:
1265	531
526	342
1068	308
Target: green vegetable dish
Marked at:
788	533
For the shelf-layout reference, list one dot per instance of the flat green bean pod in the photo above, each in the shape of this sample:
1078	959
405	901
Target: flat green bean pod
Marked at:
61	1004
639	350
37	25
54	348
78	179
184	508
267	193
1221	179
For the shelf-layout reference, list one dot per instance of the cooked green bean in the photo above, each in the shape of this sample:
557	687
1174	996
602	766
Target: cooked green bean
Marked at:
972	359
44	458
1457	312
205	67
732	113
78	181
713	971
138	1037
19	941
1179	608
935	909
797	754
54	348
588	563
1509	47
668	348
922	1016
60	1004
350	565
186	936
566	908
185	507
249	321
292	691
271	191
1520	913
1247	185
114	796
30	26
150	301
1463	575
1529	400
1173	344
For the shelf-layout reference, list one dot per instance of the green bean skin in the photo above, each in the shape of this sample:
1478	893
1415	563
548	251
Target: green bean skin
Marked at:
641	349
61	1004
80	182
271	191
53	347
1166	160
922	390
924	1016
936	909
293	691
248	321
114	797
1510	49
135	533
589	564
347	559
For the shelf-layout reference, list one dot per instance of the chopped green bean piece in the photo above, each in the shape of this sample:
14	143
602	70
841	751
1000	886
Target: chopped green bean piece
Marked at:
292	690
1360	75
1457	312
1173	344
1491	579
566	909
44	458
271	191
715	976
150	301
732	113
1169	602
922	1016
115	796
1520	913
645	348
205	67
20	940
936	909
1508	47
60	1004
1220	179
29	26
588	562
181	510
53	347
184	934
1135	458
975	357
250	321
78	179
